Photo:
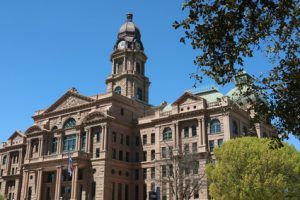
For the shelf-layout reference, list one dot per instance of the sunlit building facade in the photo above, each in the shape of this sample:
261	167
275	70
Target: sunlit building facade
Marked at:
117	139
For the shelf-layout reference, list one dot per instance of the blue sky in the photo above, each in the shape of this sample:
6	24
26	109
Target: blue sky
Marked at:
47	47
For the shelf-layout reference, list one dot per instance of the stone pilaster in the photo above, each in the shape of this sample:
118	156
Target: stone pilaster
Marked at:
58	182
74	190
39	184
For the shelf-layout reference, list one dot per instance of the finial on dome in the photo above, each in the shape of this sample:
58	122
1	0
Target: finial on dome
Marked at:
129	17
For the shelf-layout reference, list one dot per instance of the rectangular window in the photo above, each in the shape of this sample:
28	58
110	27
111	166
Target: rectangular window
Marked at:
83	141
145	173
171	170
152	154
137	157
152	172
145	191
127	140
137	140
163	152
170	151
194	131
144	139
97	152
152	138
112	191
195	166
144	155
186	132
211	145
80	174
220	142
194	147
114	135
119	191
54	145
127	157
69	143
126	192
136	192
186	148
137	174
121	155
114	153
98	136
121	139
164	170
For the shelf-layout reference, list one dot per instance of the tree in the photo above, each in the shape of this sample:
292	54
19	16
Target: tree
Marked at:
181	172
247	168
227	32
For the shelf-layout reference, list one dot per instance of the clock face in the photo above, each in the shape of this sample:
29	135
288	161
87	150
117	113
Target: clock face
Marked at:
137	45
121	45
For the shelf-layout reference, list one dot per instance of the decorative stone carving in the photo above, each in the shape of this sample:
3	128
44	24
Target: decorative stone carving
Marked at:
70	102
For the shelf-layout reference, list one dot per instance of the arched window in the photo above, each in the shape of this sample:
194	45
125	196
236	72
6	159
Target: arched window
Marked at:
235	128
70	123
167	134
138	68
215	126
54	128
118	90
139	94
4	160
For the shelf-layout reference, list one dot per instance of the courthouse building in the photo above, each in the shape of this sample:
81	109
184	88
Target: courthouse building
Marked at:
117	139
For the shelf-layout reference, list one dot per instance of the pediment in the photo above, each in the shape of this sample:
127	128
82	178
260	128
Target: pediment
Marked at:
94	116
70	99
17	136
187	98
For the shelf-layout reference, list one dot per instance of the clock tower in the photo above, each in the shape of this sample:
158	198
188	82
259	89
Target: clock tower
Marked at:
128	64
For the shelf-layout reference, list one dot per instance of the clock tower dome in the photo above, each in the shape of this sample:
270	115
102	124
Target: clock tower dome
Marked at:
128	64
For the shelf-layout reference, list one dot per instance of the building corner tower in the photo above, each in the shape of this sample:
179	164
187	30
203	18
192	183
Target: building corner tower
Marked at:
128	64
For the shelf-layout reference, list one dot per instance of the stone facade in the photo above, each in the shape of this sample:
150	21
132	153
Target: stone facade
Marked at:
115	139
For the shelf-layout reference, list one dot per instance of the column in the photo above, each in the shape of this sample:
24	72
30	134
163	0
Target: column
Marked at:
41	144
78	141
74	183
59	144
177	135
39	184
58	182
20	158
105	136
28	149
200	135
88	140
204	134
24	185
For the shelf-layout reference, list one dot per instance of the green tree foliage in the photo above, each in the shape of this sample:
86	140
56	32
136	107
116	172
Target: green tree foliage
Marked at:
1	197
247	168
226	32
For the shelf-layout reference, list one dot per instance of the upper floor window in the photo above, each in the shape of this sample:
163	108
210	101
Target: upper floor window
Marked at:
83	141
69	142
4	159
54	145
118	90
139	94
54	128
235	127
167	134
70	123
138	68
186	132
215	126
194	130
